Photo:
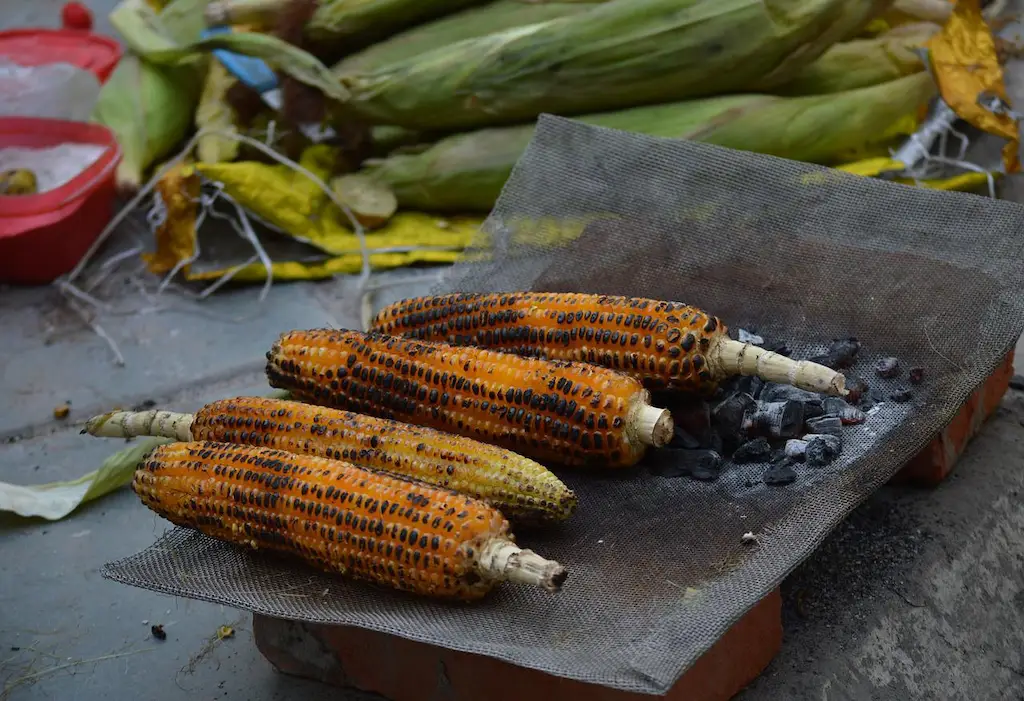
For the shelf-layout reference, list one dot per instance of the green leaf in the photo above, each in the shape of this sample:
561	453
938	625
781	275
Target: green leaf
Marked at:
55	500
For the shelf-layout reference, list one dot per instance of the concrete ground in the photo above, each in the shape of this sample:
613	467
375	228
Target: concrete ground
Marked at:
919	595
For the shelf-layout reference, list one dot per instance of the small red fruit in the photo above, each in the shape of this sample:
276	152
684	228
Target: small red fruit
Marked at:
75	15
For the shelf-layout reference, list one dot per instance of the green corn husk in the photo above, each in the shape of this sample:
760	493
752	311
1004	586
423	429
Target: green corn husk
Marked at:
615	55
465	172
862	62
467	24
149	109
336	21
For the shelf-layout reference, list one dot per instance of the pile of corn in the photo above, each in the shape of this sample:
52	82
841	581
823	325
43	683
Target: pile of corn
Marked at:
405	452
450	89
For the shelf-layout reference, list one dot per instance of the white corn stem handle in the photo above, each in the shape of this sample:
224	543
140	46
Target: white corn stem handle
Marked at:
130	424
729	357
502	559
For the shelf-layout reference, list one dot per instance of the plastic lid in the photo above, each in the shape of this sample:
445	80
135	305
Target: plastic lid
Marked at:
34	47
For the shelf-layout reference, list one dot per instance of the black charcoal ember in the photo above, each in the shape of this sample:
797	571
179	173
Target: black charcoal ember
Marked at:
814	408
716	443
750	384
916	375
694	417
887	368
699	464
857	389
819	452
780	474
729	414
841	354
776	392
682	439
847	413
757	450
834	443
795	449
776	419
1017	382
901	396
826	424
744	336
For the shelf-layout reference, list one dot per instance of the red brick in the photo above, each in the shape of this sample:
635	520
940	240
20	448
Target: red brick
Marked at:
933	464
402	670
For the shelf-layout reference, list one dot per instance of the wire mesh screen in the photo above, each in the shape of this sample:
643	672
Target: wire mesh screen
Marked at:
658	566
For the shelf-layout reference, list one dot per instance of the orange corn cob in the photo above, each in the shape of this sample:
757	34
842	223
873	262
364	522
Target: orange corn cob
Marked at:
666	345
569	413
522	489
362	524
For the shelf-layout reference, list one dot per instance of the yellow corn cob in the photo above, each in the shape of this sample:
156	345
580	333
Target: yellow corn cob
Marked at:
359	523
522	489
569	413
666	345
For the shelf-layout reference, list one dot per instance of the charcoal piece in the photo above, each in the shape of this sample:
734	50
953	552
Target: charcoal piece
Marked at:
847	413
682	439
749	384
857	389
820	452
901	396
1017	382
700	464
694	417
814	408
841	354
887	368
757	450
780	474
744	336
776	392
834	443
776	419
829	423
778	455
795	449
916	375
716	443
728	416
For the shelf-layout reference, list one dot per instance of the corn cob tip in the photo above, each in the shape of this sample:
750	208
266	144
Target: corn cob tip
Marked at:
735	357
502	559
130	424
654	427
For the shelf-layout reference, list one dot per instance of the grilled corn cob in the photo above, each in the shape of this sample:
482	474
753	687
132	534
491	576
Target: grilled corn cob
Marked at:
341	518
569	413
522	489
666	345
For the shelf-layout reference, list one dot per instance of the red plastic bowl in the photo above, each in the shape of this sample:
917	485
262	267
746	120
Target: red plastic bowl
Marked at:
43	236
35	47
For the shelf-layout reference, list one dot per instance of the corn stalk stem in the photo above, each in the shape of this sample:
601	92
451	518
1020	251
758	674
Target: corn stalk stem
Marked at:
729	357
502	559
131	424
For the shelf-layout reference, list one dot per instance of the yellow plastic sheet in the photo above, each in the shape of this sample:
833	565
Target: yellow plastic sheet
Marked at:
966	65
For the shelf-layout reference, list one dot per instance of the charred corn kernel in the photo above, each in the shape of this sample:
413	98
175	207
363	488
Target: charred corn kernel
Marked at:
666	345
569	413
522	489
359	523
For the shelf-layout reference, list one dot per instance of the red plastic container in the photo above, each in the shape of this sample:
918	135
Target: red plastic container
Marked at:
43	236
35	47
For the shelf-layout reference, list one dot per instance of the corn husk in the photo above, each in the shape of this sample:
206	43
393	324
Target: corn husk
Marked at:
149	109
466	172
862	62
337	21
214	112
615	55
467	24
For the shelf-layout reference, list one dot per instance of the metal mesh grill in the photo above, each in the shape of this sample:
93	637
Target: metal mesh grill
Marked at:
802	254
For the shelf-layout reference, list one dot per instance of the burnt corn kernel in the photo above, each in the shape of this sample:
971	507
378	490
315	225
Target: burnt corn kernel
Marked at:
504	383
354	543
523	489
627	334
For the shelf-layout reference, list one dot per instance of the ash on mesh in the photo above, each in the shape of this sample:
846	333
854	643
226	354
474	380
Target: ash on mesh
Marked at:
799	254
